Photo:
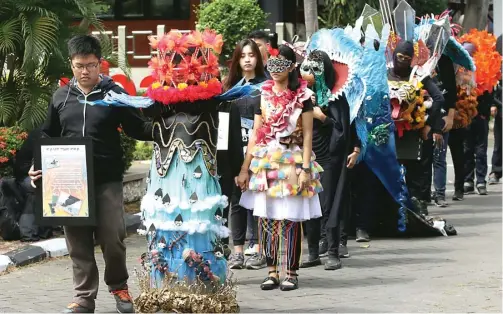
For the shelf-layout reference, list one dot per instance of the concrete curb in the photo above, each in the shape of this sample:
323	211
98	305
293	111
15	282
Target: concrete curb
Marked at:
39	251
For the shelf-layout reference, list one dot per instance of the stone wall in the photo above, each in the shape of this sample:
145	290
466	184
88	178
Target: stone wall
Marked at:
135	186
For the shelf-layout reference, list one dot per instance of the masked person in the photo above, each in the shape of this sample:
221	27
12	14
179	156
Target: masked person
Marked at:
284	185
416	135
333	136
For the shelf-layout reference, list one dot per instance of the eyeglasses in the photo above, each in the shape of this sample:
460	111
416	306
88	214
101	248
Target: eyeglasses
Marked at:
88	67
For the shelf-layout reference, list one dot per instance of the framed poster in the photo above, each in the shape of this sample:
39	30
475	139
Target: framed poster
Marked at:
65	193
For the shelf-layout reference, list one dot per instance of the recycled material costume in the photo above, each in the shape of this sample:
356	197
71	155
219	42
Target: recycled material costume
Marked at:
185	266
367	92
332	142
273	191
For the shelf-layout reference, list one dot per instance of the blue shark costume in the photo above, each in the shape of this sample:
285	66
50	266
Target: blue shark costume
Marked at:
366	89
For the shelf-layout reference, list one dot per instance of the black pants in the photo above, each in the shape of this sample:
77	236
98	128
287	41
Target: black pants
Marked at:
366	189
317	228
456	146
418	172
239	223
284	232
476	151
496	159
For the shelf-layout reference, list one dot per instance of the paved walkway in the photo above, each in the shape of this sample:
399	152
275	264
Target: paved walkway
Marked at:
456	274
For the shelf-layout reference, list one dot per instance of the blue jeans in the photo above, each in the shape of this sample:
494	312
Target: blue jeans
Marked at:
440	168
476	151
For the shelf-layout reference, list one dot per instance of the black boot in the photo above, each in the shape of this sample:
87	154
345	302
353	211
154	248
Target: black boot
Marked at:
313	258
311	261
323	247
333	262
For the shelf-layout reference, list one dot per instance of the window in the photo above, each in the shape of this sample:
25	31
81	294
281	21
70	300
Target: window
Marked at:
146	9
170	9
132	8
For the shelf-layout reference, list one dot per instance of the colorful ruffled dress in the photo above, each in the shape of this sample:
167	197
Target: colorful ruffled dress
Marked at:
277	159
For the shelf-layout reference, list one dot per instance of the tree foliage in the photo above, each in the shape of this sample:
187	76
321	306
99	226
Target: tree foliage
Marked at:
33	53
234	19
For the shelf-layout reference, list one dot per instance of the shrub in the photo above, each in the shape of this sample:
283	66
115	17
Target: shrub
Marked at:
233	19
143	151
128	147
11	140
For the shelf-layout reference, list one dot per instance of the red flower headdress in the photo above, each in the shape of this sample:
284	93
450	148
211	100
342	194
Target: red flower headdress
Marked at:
186	66
272	52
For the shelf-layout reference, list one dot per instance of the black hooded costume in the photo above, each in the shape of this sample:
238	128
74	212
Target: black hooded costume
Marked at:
333	140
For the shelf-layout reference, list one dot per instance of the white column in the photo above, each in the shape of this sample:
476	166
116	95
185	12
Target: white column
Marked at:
121	44
497	16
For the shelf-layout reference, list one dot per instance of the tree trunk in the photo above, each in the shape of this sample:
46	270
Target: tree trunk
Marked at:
311	16
475	14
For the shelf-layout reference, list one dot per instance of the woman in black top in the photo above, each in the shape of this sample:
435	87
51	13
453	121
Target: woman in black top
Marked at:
246	68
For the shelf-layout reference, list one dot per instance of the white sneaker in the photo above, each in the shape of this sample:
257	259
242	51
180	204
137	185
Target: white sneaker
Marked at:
253	249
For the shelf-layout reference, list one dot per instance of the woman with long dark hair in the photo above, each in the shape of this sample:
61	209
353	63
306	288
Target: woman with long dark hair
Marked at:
284	185
247	64
242	95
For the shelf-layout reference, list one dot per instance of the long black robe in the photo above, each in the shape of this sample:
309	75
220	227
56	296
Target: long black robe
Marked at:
342	141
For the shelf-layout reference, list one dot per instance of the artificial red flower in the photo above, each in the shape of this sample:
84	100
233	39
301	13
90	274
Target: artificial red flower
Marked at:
212	66
195	39
153	41
212	40
194	68
273	52
177	42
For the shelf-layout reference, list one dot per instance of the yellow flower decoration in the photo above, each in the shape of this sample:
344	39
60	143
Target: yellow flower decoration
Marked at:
156	85
203	84
182	86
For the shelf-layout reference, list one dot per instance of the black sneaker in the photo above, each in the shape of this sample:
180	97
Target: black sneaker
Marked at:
124	301
256	261
481	189
77	308
333	263
468	188
343	251
362	236
493	179
323	248
458	196
311	261
237	261
440	201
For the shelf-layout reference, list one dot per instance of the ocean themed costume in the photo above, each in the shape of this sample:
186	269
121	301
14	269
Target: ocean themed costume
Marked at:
185	268
367	92
273	193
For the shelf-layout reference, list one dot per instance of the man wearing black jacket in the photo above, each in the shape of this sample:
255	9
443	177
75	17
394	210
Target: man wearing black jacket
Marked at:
71	115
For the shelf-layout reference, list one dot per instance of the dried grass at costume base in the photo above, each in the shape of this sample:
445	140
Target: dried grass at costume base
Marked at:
179	297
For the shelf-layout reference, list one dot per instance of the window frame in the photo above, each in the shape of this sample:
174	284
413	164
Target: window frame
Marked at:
147	14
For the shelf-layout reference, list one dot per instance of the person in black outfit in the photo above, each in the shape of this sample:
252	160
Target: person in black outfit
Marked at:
333	137
447	82
246	67
496	171
418	171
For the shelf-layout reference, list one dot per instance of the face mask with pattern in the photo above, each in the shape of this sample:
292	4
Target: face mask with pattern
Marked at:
277	65
313	65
